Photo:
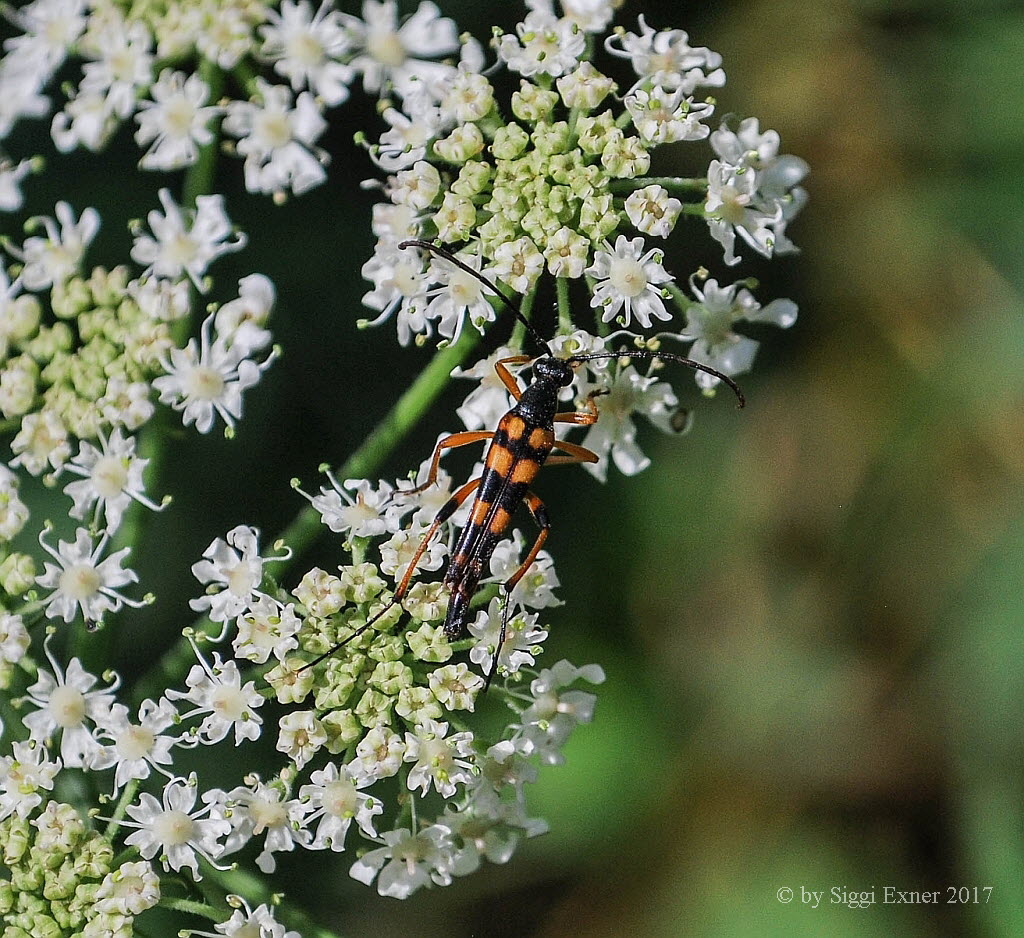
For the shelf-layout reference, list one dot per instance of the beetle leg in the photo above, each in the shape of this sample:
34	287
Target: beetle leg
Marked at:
449	442
572	454
506	376
540	515
582	418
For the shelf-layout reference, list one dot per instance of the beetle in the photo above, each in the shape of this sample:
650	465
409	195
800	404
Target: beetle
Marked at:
522	442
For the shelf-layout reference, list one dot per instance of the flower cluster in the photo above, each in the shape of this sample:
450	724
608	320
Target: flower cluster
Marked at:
550	180
532	167
162	68
60	877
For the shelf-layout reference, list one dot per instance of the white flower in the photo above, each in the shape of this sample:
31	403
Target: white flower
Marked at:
536	588
460	295
87	120
22	775
407	861
666	59
81	581
135	747
518	263
174	829
653	211
629	280
208	378
615	433
218	694
11	175
379	754
266	628
362	515
590	15
387	53
58	256
399	283
662	116
397	552
522	642
455	687
67	703
300	736
752	190
304	47
175	250
41	441
160	299
406	142
126	403
555	712
13	511
277	140
445	761
545	45
174	121
240	321
129	890
709	321
124	62
246	922
49	29
112	478
14	638
262	810
232	570
334	799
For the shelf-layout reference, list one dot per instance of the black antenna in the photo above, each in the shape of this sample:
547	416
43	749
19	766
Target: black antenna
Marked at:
452	259
668	356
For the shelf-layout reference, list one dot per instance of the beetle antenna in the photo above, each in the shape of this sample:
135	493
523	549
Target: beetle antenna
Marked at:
667	356
452	259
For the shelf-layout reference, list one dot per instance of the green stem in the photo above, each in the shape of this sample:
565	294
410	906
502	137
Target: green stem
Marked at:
199	178
127	797
564	307
519	329
192	907
256	892
672	183
306	527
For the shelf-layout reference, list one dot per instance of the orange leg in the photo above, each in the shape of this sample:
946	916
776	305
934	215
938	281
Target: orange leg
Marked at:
573	455
540	515
579	417
507	377
449	442
449	509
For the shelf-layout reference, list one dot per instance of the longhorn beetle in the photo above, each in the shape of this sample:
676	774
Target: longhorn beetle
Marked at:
520	445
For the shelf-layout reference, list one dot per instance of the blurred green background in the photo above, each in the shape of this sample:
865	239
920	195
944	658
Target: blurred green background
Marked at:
809	612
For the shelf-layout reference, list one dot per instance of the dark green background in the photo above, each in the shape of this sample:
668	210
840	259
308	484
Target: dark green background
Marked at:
810	611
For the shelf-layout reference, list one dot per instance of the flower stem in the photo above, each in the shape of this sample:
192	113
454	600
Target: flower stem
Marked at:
127	797
564	308
672	183
192	907
306	526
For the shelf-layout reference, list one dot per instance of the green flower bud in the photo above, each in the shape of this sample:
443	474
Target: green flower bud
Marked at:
362	582
592	132
21	319
374	708
417	704
342	728
509	142
551	138
17	573
322	593
70	298
533	103
386	648
462	144
389	677
473	179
